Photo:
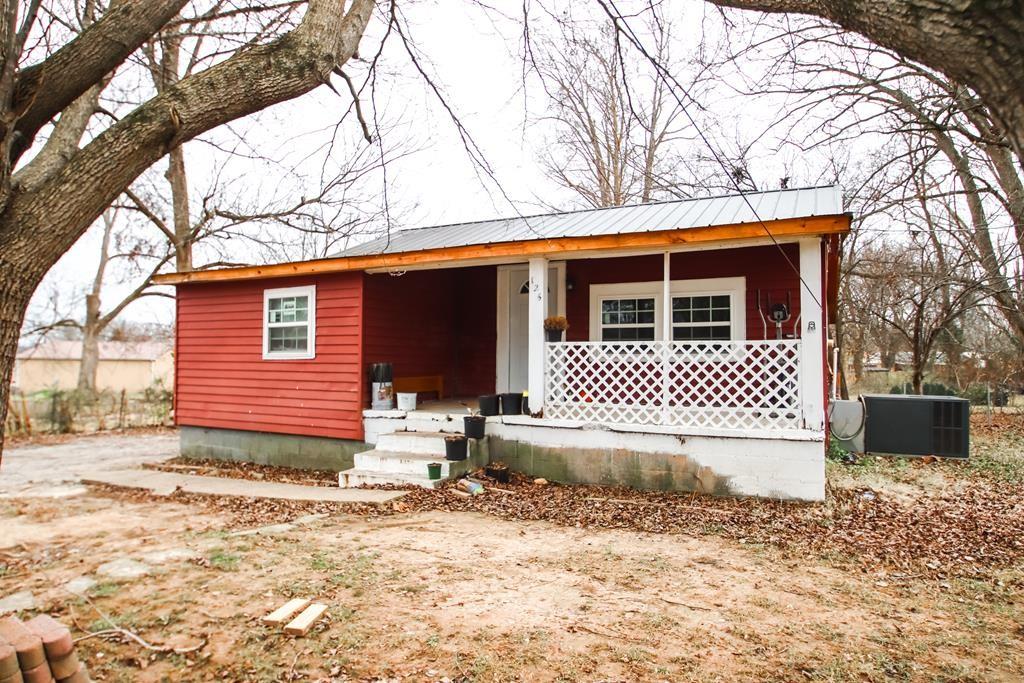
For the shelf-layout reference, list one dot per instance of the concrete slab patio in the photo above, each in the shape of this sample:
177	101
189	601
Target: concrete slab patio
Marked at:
165	483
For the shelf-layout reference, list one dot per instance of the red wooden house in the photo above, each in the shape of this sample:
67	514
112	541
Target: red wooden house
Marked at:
696	356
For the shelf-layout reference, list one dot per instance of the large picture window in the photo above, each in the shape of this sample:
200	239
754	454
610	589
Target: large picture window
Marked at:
289	323
709	309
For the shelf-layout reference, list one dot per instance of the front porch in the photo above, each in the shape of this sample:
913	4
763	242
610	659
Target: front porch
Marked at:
696	348
681	382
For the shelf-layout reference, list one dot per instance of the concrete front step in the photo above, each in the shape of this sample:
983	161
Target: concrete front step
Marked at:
356	477
403	462
428	443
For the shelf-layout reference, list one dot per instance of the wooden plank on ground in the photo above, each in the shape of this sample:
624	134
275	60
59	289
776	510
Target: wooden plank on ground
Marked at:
305	621
284	612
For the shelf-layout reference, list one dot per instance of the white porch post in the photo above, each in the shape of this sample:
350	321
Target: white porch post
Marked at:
666	335
535	335
812	336
666	298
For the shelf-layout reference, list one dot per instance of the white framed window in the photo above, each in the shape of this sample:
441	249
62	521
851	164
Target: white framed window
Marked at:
702	317
708	309
289	323
627	318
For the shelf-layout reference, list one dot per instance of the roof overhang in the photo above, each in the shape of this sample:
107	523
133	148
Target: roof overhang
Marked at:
498	252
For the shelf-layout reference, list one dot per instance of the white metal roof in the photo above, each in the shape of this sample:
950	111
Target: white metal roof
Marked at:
679	214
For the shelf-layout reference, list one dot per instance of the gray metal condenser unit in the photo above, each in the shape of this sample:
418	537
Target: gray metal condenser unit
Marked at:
917	425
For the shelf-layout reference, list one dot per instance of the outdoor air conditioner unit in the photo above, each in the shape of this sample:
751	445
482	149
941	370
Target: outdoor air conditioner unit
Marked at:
904	425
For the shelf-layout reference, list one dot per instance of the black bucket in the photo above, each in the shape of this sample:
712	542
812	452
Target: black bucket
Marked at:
512	404
474	426
455	447
489	405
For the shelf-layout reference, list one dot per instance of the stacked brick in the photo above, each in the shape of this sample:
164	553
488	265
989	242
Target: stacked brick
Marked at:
38	651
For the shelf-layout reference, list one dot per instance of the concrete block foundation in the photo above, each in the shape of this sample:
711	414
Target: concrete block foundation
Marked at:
783	465
779	468
264	448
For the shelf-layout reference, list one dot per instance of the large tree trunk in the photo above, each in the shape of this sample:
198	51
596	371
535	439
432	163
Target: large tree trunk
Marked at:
975	42
38	227
15	294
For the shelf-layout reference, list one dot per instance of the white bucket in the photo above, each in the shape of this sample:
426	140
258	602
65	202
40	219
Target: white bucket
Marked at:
406	401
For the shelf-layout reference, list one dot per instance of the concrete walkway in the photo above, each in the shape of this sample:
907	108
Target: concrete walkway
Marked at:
57	469
165	483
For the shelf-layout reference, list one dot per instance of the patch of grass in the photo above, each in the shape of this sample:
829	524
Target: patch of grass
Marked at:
1003	466
224	560
357	572
129	620
104	589
633	655
321	562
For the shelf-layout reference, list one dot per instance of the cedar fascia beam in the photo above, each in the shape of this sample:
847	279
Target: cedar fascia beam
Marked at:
558	247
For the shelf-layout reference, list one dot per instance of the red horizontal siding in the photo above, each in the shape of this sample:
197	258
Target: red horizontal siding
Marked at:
434	322
764	268
222	380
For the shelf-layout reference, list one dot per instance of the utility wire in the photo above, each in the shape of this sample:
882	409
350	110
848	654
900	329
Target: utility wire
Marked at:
622	26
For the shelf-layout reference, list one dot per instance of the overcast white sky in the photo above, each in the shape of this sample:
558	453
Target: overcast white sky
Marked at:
474	55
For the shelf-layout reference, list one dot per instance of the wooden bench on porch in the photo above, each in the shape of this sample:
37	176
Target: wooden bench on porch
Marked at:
420	385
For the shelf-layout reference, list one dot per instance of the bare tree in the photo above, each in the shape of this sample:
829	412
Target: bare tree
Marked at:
41	219
141	255
976	44
842	91
614	125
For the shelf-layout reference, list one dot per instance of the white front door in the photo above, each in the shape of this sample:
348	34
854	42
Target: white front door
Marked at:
516	346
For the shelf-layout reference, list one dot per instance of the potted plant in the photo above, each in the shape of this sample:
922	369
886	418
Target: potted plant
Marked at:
498	471
455	447
488	405
555	327
512	403
474	424
433	470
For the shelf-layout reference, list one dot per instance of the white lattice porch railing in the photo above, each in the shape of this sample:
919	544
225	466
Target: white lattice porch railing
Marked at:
723	385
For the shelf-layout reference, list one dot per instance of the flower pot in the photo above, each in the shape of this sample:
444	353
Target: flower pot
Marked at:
455	447
554	335
498	472
489	405
474	426
512	404
433	470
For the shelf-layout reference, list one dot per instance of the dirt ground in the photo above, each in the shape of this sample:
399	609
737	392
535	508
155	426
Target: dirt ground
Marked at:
480	595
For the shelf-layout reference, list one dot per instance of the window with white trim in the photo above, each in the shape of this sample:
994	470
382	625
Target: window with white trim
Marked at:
707	309
627	319
289	323
702	317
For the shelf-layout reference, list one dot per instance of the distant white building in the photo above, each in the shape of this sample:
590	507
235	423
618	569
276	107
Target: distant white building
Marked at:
132	366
